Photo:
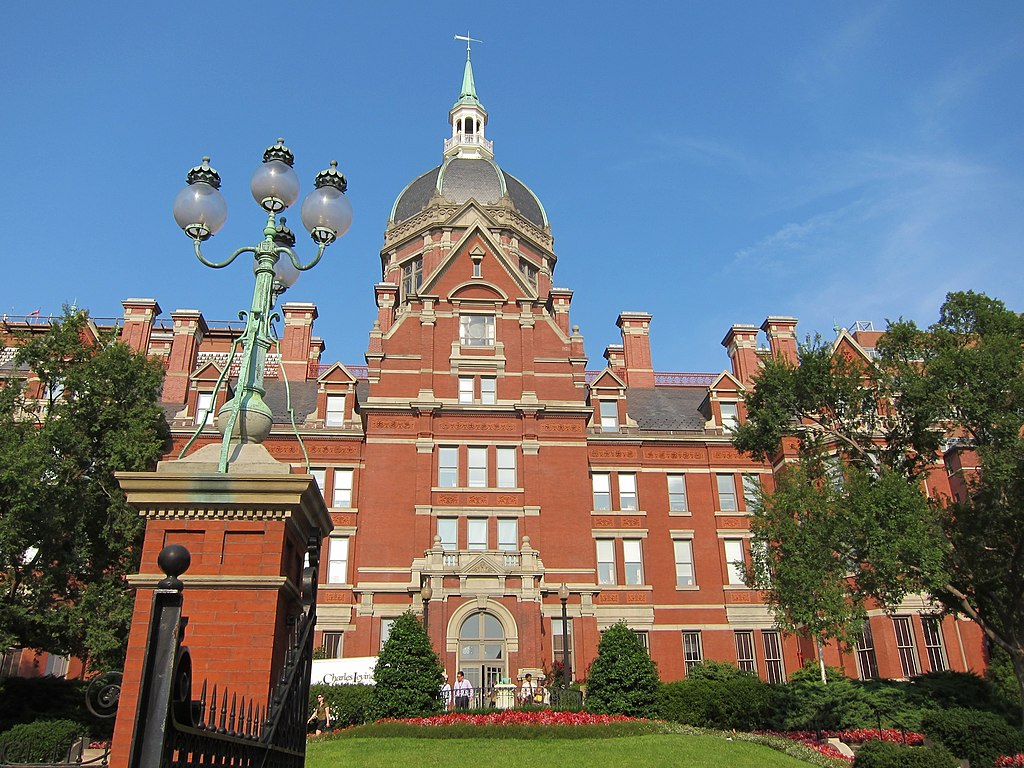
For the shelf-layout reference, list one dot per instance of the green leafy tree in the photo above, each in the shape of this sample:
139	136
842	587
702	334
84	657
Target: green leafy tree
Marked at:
849	521
408	674
68	539
623	680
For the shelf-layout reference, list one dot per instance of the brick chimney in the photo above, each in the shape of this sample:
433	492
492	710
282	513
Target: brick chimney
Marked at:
137	330
560	299
189	330
636	345
616	358
298	334
387	296
781	332
741	341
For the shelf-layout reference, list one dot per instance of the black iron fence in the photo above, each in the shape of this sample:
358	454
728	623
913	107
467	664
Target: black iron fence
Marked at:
174	730
79	753
502	697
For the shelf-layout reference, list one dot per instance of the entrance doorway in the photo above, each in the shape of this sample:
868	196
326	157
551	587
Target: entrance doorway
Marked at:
482	652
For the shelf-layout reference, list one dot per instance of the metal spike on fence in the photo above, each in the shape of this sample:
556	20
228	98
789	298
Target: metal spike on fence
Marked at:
222	728
248	720
231	722
202	707
211	721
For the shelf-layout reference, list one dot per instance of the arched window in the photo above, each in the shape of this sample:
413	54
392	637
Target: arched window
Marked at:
482	650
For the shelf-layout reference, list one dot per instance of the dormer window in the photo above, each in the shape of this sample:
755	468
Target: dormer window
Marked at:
476	330
730	417
529	272
335	415
204	408
609	412
412	277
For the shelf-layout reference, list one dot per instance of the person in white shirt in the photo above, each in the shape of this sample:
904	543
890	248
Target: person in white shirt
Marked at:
528	690
445	693
463	691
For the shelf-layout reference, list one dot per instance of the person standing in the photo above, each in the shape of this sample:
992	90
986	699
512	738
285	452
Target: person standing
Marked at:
463	691
446	693
528	690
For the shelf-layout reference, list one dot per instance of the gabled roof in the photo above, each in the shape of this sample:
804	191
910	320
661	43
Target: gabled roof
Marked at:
607	379
337	374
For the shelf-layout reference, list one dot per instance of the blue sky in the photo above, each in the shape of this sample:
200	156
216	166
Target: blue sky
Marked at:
710	163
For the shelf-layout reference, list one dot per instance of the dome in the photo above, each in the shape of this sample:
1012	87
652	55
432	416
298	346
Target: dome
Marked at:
460	179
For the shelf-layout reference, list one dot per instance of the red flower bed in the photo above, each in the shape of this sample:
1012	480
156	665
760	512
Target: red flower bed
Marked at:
856	735
1010	761
517	717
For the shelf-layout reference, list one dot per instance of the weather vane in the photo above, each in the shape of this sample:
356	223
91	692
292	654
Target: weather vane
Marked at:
468	40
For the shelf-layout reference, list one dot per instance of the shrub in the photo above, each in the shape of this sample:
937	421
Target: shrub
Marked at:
350	704
27	699
408	673
884	754
623	680
709	669
973	735
743	703
808	704
42	740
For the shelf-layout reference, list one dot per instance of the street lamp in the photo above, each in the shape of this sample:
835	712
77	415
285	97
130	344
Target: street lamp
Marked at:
200	210
563	595
425	594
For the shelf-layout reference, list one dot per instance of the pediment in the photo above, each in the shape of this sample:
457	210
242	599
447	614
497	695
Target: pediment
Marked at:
607	379
848	347
483	565
478	241
726	382
208	371
337	374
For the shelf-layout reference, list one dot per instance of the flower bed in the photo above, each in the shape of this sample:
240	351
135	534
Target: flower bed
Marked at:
856	735
1010	761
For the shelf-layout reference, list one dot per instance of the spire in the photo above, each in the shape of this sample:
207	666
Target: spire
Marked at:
468	117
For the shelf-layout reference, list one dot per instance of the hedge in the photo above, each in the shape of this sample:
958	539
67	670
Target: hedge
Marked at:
885	754
973	735
43	740
350	704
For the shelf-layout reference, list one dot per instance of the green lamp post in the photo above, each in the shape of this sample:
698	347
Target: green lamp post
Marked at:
200	210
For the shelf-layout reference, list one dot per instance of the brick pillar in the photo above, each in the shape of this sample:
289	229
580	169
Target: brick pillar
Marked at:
636	344
387	295
298	335
560	300
616	358
189	330
781	332
138	323
741	341
247	532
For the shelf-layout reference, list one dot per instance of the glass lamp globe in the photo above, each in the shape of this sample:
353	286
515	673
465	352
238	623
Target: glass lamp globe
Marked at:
200	210
328	210
275	186
285	272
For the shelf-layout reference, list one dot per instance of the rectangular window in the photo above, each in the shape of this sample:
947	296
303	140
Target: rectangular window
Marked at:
557	638
602	485
745	659
905	645
627	491
506	467
476	330
932	626
775	672
693	650
385	630
11	663
734	562
726	493
684	563
609	415
320	475
332	643
412	276
488	390
677	493
730	417
529	272
448	530
466	385
867	664
508	534
56	666
476	533
342	488
606	561
335	416
644	639
751	492
477	467
448	467
337	560
632	561
204	405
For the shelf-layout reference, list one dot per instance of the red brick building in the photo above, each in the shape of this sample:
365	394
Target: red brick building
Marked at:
476	452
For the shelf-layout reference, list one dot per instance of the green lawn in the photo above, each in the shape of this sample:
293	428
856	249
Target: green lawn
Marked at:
653	751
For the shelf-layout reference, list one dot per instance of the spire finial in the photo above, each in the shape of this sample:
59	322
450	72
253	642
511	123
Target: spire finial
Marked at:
468	40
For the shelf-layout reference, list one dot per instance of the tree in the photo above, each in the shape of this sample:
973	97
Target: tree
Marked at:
68	538
408	674
623	680
849	521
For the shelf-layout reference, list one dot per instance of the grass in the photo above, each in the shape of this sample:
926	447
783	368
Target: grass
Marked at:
649	751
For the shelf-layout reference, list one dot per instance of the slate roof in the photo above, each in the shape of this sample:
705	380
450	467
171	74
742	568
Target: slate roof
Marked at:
303	400
464	179
666	409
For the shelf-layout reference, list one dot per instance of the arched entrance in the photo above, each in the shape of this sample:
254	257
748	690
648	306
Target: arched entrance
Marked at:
483	655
